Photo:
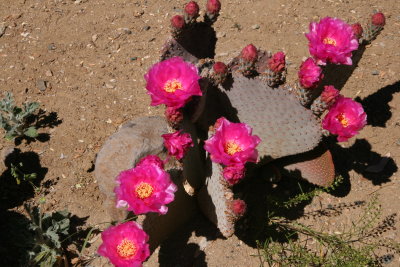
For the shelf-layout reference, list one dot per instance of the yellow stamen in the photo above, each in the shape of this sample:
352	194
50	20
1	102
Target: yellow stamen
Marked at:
343	120
231	148
126	249
144	190
172	85
329	41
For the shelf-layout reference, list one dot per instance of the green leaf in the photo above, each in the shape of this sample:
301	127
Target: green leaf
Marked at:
31	132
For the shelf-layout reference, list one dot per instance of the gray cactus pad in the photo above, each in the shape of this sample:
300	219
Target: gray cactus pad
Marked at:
214	200
276	116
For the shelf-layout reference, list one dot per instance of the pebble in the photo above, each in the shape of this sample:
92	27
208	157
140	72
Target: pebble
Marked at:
146	28
109	86
375	72
221	34
41	85
2	29
125	30
51	46
94	37
49	73
255	27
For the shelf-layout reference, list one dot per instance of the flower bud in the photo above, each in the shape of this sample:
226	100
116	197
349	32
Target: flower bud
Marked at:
177	22
213	6
249	53
277	62
378	19
220	68
192	9
357	29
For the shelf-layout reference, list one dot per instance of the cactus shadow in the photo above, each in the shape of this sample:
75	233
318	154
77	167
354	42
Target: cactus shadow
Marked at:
16	239
377	106
180	250
363	160
14	194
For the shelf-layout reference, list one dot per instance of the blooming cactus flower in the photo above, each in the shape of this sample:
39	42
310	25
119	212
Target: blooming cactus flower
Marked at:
145	188
125	245
332	40
177	143
345	118
172	82
232	144
277	62
310	74
234	173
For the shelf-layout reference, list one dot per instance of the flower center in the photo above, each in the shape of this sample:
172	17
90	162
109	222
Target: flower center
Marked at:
231	148
343	120
126	249
144	190
329	41
172	85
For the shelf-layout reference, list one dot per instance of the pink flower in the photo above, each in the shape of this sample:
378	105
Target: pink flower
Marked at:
125	245
249	53
232	144
378	19
177	22
345	118
151	159
332	40
145	188
277	62
329	94
177	143
234	173
172	82
310	74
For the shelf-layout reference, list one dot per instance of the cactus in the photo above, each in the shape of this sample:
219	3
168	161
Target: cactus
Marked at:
250	88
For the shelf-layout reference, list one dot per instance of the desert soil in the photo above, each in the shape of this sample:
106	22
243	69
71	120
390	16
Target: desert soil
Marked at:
92	55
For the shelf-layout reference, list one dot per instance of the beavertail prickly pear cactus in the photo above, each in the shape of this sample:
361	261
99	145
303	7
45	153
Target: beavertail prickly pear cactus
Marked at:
224	116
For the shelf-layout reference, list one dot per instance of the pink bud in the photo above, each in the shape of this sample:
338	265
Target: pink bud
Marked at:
173	115
192	9
378	19
329	94
213	6
220	68
239	207
277	62
249	53
357	29
177	22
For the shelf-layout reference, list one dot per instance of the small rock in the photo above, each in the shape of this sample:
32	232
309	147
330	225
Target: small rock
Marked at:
49	73
221	34
255	27
222	54
138	14
109	86
152	39
375	72
125	30
51	46
94	37
41	85
146	28
2	29
133	58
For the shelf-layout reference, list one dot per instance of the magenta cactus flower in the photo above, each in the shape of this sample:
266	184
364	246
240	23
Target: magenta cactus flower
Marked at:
151	159
345	118
234	173
378	19
357	29
232	144
177	143
310	74
332	41
277	62
172	82
192	9
145	188
329	94
125	245
177	22
213	6
239	207
249	53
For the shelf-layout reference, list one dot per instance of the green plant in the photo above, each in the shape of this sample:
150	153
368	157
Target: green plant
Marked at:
48	231
14	119
356	246
21	176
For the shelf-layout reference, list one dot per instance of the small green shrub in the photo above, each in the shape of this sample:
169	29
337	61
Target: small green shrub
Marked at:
14	120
